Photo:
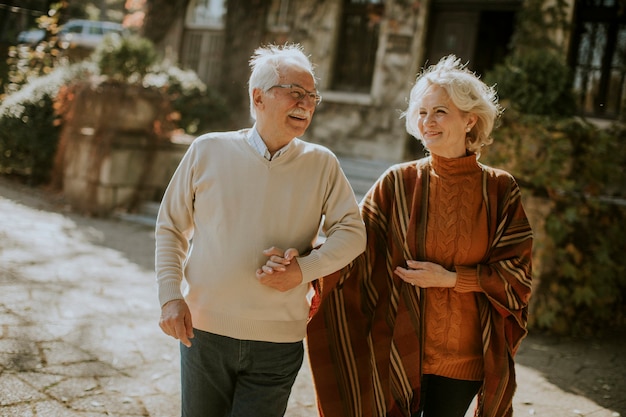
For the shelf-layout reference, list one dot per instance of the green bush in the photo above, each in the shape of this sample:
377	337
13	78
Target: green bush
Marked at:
24	151
583	292
578	169
25	61
29	131
125	59
535	82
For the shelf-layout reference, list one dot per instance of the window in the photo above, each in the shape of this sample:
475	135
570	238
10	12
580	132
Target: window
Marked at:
206	14
280	15
74	29
96	30
599	57
358	42
202	46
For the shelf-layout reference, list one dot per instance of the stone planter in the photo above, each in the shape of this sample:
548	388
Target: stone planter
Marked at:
115	149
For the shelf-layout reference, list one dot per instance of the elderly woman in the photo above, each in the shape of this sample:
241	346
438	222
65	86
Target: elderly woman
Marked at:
433	312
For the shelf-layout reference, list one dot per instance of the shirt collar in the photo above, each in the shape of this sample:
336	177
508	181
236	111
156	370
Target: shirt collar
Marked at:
255	140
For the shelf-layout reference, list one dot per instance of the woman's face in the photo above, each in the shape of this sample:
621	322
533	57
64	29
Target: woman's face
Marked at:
442	125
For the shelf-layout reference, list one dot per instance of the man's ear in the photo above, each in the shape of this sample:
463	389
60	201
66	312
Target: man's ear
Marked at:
257	97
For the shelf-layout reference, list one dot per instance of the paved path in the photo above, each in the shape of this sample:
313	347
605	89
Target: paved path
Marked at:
79	334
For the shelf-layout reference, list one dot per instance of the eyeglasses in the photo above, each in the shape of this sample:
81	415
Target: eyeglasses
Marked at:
298	93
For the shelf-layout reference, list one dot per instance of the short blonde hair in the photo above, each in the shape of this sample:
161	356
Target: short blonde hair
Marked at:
466	91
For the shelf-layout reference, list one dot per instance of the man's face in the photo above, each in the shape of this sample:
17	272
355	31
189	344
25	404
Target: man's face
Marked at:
281	114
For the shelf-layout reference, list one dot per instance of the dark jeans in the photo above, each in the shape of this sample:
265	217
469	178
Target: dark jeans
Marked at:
225	377
446	397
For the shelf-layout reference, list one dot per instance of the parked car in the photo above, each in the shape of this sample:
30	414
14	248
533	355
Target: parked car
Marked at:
31	36
86	33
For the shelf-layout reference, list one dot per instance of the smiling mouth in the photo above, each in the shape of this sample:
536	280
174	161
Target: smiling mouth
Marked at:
299	117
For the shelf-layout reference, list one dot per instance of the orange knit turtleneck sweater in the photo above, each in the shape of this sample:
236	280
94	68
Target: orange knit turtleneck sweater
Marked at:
456	234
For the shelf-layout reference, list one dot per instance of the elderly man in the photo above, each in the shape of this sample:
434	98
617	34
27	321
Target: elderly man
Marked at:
241	196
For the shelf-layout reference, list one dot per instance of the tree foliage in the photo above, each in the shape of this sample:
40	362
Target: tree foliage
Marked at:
576	170
535	78
573	170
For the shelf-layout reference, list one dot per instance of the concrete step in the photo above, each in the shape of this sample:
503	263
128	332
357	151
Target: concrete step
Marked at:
363	168
362	173
146	214
150	208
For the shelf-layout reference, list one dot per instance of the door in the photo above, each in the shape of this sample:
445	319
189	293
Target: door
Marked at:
452	33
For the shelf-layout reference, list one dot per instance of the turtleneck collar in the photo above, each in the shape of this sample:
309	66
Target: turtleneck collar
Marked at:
455	166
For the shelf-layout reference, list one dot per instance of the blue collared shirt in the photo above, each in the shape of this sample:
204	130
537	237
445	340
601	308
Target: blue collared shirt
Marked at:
255	140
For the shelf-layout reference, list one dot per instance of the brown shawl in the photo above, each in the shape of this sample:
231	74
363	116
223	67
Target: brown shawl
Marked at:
364	341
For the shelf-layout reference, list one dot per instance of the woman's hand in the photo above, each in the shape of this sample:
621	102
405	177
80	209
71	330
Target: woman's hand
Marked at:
426	275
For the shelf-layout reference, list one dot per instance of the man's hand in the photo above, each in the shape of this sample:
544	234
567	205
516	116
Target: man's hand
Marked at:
281	271
176	321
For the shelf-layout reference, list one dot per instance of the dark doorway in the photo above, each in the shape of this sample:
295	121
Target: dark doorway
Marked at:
495	30
480	37
451	32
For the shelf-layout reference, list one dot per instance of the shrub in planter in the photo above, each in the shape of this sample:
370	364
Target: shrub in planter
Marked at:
126	59
198	108
134	60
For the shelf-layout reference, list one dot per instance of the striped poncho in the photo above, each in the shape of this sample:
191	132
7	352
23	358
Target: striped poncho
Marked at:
364	341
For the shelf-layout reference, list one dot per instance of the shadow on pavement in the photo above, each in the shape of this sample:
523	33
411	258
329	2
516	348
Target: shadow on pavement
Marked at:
136	241
594	367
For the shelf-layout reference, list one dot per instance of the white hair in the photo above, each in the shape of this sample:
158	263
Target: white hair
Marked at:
266	64
466	91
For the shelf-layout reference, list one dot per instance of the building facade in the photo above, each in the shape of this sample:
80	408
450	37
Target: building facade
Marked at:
368	52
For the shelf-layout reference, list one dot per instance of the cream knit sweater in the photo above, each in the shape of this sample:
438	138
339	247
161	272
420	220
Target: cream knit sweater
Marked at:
224	205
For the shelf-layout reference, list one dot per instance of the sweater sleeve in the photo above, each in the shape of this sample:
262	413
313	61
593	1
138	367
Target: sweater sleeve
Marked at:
466	279
343	227
174	229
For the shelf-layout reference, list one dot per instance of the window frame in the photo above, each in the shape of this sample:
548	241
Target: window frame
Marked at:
601	99
280	16
190	23
344	80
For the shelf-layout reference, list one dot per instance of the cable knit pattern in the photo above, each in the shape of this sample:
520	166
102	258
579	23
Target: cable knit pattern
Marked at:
456	231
